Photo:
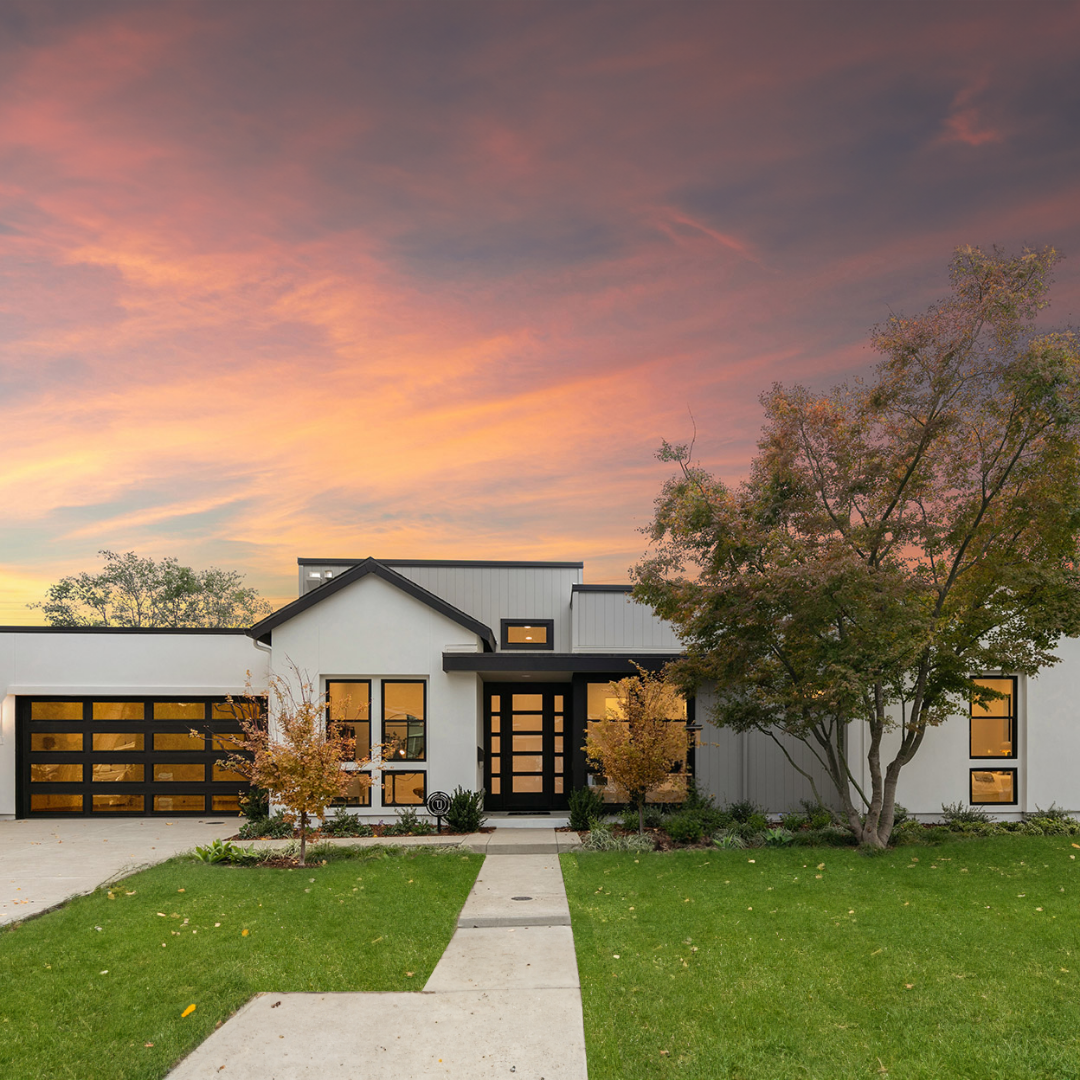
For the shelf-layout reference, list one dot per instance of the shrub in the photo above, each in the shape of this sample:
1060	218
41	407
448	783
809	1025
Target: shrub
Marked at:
743	810
254	802
684	827
758	822
794	821
653	817
778	837
729	841
466	813
345	824
268	828
601	838
409	823
586	805
1053	812
224	851
957	813
817	814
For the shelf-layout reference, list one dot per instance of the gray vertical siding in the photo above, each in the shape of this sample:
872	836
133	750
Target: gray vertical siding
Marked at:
607	621
733	767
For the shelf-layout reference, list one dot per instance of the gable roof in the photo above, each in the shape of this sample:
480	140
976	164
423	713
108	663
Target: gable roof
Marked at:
261	630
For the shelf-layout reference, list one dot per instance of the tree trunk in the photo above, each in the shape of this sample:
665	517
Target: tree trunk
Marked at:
641	816
303	837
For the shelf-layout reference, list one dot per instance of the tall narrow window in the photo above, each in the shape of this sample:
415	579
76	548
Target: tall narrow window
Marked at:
993	721
405	719
349	704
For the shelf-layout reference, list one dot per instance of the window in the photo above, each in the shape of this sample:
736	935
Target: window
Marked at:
989	786
404	728
349	703
993	722
528	634
404	788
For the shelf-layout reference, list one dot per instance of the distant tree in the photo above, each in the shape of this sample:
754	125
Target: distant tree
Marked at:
895	539
294	753
639	742
134	591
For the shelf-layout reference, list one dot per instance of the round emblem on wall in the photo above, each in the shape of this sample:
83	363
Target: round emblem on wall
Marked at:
438	803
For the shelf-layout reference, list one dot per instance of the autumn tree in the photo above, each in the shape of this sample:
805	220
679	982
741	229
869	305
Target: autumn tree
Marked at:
135	591
298	756
640	741
896	538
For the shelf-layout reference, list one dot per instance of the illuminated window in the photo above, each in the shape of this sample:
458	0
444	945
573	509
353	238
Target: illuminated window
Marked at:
989	786
526	634
404	788
405	720
993	722
348	702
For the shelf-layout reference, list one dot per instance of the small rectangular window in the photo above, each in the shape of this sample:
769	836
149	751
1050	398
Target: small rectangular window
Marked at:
528	633
990	786
358	793
348	702
404	788
993	722
405	720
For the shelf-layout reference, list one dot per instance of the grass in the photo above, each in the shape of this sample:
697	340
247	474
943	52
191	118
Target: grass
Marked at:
961	960
99	987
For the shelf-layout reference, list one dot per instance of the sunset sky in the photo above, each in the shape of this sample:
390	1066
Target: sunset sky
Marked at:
433	279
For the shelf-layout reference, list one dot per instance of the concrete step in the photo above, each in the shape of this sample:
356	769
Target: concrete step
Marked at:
515	841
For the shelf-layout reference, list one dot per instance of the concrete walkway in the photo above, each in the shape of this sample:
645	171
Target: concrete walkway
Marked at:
45	861
503	1000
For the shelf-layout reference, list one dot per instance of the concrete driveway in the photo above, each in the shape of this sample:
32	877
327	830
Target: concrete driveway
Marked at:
44	861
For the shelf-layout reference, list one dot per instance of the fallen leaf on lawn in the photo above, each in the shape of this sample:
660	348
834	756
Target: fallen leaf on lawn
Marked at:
148	1044
275	1005
408	974
188	1011
105	972
909	986
244	932
132	893
1076	845
162	915
181	890
821	866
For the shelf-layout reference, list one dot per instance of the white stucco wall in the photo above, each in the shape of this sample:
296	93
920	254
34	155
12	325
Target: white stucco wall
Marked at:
123	663
373	630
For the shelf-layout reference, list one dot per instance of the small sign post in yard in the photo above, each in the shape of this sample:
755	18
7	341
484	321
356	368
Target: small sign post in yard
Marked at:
438	803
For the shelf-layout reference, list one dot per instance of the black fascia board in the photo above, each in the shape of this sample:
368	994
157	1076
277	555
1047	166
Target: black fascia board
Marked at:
475	563
209	630
602	588
508	663
261	630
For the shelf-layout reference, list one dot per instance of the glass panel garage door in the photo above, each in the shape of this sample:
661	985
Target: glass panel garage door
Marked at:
124	756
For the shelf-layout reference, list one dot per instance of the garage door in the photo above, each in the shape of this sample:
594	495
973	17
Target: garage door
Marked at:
126	756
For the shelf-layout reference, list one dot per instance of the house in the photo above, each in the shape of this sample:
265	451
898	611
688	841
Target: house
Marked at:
480	674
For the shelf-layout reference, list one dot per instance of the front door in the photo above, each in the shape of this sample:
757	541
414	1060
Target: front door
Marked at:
527	755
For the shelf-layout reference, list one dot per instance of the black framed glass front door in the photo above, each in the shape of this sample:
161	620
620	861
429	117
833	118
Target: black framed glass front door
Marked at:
526	746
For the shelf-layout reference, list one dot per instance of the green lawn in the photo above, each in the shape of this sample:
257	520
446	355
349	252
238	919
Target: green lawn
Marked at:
84	989
961	960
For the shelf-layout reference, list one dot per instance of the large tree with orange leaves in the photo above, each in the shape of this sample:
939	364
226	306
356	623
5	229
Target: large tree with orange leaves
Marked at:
895	539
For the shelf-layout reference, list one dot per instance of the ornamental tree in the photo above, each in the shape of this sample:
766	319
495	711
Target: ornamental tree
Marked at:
299	756
895	539
639	742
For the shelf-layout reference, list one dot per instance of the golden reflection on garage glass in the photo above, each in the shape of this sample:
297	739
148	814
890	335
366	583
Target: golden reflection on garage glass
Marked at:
56	710
226	740
119	804
178	740
182	772
117	774
55	772
227	774
529	722
172	804
56	740
236	710
126	741
53	803
993	786
528	784
118	710
225	804
179	710
528	744
527	702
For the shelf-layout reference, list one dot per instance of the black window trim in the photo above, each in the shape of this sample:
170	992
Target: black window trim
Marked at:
1012	724
328	681
530	646
1015	801
424	719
